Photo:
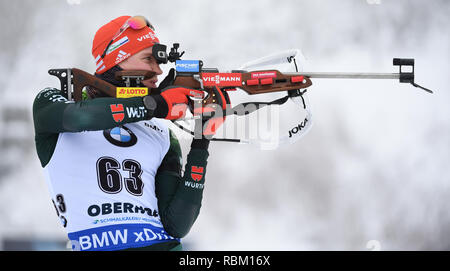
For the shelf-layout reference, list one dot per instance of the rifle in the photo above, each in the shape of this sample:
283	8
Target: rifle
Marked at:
192	74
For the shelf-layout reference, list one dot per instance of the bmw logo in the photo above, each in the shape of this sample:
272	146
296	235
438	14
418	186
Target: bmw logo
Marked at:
120	136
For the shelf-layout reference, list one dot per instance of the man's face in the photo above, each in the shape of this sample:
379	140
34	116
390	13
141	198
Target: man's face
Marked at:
143	60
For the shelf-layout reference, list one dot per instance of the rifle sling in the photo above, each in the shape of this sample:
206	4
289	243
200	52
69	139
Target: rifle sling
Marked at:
243	108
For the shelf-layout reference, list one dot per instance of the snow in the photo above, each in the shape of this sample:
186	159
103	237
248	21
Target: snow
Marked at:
373	167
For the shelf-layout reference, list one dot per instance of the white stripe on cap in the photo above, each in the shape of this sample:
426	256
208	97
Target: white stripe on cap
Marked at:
101	68
99	64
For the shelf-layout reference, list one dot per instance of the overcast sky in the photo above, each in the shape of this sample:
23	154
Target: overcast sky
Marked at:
373	167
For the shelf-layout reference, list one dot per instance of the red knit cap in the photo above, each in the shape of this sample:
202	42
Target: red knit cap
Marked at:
125	45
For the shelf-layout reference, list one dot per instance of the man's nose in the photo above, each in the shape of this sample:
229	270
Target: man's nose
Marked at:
158	70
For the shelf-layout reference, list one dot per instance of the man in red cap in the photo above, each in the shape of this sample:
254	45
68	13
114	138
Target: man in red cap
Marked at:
113	168
119	39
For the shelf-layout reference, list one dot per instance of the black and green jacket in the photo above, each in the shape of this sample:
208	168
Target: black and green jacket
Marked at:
178	203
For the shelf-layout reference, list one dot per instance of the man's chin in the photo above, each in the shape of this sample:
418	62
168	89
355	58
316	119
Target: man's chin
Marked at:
149	84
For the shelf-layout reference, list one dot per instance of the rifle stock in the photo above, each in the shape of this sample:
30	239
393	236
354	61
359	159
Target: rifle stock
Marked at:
79	79
83	79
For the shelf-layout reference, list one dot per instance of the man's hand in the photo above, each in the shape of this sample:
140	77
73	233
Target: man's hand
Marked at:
171	103
167	81
212	115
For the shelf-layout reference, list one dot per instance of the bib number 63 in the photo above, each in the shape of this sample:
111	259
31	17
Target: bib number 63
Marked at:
110	180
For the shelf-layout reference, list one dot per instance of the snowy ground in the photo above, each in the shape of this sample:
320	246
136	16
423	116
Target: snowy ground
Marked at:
374	166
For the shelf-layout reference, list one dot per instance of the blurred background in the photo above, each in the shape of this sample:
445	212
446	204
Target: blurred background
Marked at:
373	173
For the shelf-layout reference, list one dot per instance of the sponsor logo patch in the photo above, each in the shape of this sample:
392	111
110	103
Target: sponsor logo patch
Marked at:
222	79
120	236
117	112
120	136
196	173
149	35
187	66
121	56
117	44
264	74
124	92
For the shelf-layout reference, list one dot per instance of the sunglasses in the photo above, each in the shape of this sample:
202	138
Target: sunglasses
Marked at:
135	22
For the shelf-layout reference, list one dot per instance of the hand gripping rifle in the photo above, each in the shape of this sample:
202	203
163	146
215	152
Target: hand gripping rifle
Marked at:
192	74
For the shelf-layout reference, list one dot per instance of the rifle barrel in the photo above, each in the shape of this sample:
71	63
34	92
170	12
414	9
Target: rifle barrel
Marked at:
348	75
